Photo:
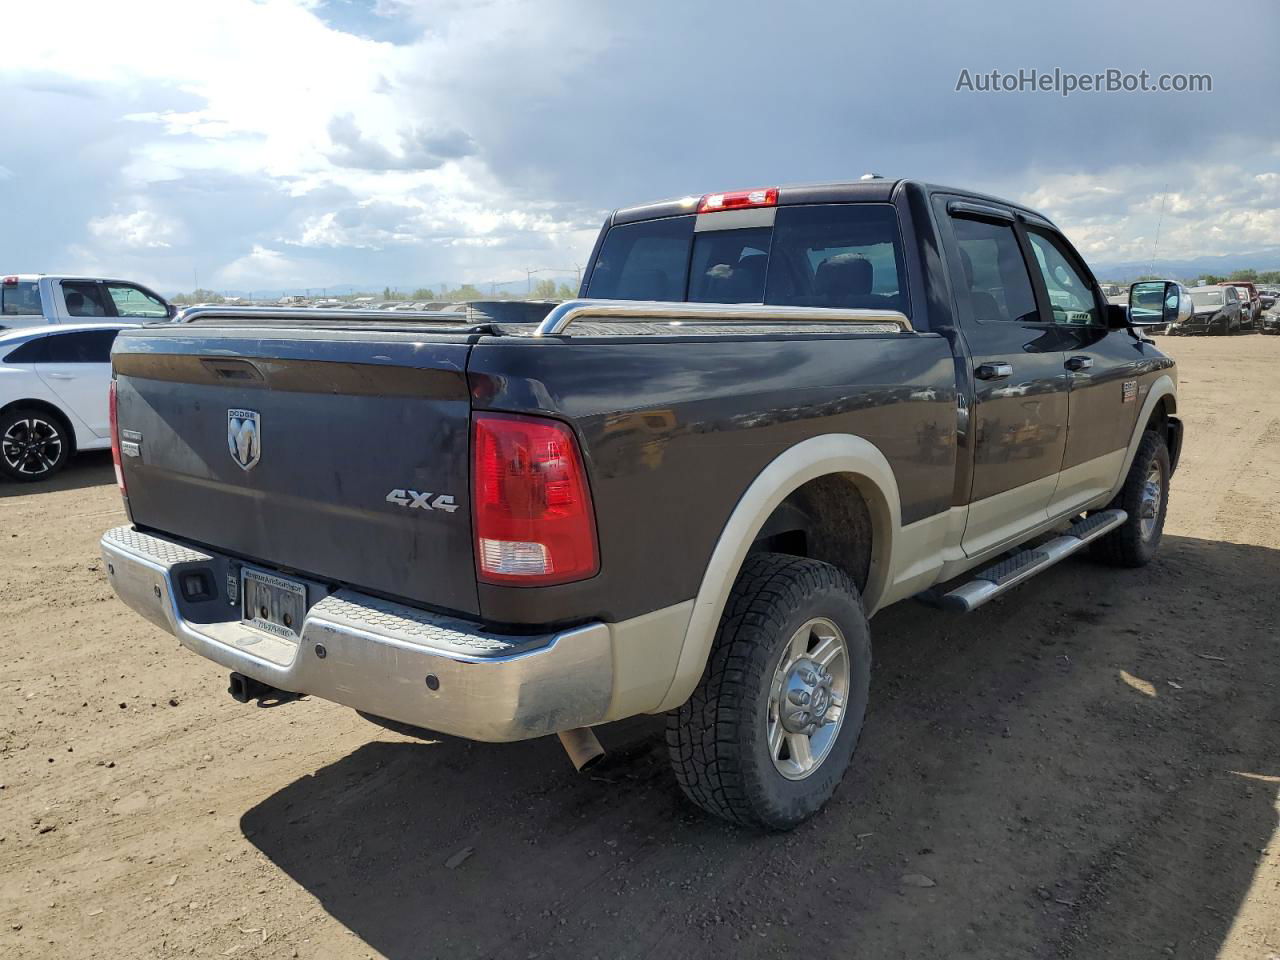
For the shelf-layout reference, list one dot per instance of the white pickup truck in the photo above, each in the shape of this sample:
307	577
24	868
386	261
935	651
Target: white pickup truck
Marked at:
37	300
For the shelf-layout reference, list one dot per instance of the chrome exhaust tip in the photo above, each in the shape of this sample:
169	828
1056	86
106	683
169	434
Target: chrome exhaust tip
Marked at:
581	745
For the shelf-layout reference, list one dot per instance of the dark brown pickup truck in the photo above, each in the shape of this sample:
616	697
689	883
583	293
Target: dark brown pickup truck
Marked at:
772	414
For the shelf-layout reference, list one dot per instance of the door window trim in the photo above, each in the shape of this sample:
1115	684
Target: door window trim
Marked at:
1055	239
104	297
964	210
150	294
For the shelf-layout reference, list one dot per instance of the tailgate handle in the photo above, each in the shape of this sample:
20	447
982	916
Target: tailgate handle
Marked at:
233	369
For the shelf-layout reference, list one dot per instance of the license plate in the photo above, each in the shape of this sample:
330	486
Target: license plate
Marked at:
273	603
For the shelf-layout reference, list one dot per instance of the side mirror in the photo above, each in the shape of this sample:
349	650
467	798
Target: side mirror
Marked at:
1185	308
1153	303
171	309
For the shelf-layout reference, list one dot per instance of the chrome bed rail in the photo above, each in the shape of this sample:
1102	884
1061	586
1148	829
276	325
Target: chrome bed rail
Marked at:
677	314
191	314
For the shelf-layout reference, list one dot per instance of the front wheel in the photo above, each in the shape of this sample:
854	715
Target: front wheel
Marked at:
770	730
1145	497
34	445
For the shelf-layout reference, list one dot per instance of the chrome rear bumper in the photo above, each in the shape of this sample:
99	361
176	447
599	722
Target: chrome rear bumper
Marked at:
379	657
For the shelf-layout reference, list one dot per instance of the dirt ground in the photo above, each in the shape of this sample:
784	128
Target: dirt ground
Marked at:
1087	768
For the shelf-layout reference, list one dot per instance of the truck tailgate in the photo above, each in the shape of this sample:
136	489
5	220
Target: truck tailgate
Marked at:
341	455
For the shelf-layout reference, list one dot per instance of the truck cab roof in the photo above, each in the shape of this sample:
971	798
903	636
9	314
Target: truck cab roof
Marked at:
874	190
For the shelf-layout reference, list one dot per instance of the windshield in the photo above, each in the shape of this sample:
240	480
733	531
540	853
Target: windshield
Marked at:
1206	298
822	255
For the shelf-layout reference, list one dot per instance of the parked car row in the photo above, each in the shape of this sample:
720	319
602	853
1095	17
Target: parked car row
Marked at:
1222	309
56	334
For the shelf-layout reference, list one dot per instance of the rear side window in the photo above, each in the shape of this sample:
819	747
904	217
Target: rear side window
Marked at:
84	299
93	346
995	274
33	351
648	260
20	299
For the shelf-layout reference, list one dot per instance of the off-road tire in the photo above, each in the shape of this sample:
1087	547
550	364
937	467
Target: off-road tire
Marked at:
717	740
1125	546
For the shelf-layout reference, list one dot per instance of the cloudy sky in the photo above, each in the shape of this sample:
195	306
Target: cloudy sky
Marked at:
269	144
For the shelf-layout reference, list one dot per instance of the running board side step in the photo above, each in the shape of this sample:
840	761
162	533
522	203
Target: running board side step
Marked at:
1025	564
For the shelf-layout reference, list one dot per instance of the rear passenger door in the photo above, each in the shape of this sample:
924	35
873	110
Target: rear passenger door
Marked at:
77	367
1018	419
1103	367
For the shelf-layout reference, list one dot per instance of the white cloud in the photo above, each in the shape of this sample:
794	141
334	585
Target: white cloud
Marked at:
1169	211
261	266
140	229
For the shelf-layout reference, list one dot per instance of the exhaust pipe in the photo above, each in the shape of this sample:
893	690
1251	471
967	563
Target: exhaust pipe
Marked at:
243	689
582	746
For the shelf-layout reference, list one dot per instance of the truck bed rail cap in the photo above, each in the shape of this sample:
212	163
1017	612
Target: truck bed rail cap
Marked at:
731	314
192	314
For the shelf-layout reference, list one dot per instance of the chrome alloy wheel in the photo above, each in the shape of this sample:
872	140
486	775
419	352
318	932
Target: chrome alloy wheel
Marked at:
31	446
1152	494
807	698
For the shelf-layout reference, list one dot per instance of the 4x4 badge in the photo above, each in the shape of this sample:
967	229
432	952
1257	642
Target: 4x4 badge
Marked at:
244	437
422	501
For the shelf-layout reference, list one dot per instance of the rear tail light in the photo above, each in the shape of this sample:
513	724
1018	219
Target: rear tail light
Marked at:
738	200
534	523
114	420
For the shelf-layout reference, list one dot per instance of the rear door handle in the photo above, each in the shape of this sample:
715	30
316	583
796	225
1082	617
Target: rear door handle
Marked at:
1079	363
60	376
994	371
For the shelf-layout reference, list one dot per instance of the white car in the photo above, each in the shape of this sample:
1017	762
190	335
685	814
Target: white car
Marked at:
53	395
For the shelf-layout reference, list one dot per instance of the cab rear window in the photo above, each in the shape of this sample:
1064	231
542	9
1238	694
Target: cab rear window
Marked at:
823	255
648	260
21	299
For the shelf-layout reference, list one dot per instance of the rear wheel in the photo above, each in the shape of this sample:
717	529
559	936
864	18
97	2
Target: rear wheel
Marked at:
1145	497
34	444
770	730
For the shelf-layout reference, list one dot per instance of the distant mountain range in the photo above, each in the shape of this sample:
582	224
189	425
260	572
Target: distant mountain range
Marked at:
1268	259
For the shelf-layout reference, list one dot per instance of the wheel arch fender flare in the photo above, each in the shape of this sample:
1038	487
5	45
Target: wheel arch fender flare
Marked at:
1164	386
834	453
